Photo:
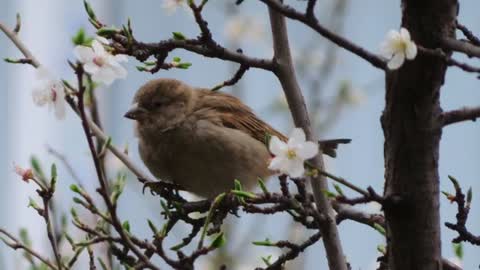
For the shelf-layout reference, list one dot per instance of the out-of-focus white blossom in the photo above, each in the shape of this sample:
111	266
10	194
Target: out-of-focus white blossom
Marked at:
290	156
171	6
350	95
49	91
398	46
244	28
98	62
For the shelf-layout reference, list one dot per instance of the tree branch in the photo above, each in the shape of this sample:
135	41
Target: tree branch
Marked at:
312	22
461	46
285	72
460	115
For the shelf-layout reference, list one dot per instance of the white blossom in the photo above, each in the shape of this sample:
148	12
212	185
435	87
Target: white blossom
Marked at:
290	156
240	28
98	62
171	6
398	46
49	91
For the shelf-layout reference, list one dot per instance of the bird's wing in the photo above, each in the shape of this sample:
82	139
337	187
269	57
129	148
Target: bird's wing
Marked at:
230	112
226	110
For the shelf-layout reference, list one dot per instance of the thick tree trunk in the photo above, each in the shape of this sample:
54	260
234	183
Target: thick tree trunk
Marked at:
412	126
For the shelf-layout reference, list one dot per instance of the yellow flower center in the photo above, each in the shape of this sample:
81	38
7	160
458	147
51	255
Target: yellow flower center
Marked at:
291	154
400	45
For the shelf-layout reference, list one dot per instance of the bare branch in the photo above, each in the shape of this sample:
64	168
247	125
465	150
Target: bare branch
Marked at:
286	74
313	23
474	39
460	115
18	245
461	46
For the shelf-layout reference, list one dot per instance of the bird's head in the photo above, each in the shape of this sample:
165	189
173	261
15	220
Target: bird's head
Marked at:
159	105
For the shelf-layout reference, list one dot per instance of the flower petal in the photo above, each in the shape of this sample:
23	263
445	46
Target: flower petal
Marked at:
42	73
278	163
296	137
295	168
102	40
40	97
405	34
277	147
84	54
396	61
307	150
59	108
411	50
98	48
90	67
121	58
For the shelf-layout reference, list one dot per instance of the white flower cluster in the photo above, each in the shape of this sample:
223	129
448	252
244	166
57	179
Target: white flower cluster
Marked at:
98	62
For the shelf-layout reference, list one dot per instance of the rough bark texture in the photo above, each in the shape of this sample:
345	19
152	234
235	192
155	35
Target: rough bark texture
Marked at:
412	126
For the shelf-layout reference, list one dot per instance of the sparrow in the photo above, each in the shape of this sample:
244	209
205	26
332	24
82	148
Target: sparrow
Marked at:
202	140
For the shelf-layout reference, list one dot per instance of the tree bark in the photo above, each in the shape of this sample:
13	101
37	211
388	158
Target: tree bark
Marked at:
412	127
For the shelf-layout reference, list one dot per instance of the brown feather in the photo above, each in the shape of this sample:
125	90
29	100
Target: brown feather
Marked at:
233	113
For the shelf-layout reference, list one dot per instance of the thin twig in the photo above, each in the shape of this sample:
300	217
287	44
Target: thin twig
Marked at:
313	23
461	46
468	34
104	190
19	245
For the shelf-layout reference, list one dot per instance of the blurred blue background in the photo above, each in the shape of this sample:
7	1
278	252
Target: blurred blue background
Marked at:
346	102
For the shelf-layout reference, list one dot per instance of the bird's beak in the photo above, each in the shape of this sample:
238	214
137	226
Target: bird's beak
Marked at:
135	112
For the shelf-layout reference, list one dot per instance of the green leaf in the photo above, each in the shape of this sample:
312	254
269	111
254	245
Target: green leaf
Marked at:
74	214
53	180
165	208
77	200
237	185
102	263
329	194
150	63
382	249
152	226
458	250
89	10
80	38
469	196
178	36
33	204
454	182
338	189
177	59
266	243
262	185
184	65
219	241
244	194
75	189
379	228
267	259
177	247
141	69
126	226
25	237
107	31
37	168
